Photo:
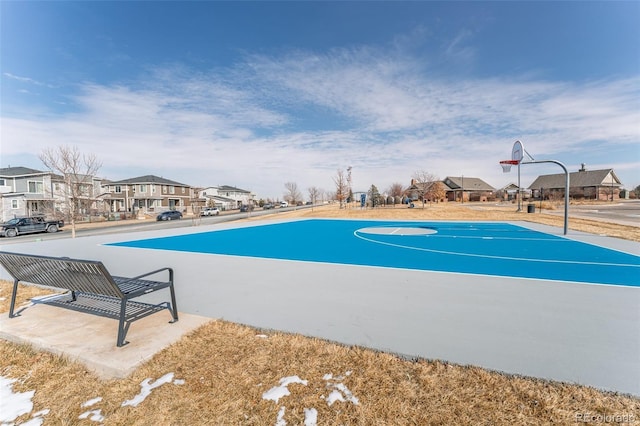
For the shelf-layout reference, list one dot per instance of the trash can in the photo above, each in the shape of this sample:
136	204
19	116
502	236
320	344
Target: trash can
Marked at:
531	208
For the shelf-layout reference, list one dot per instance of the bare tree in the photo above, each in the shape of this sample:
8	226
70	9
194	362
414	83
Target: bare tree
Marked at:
77	171
342	187
396	191
292	194
436	192
196	208
422	182
314	194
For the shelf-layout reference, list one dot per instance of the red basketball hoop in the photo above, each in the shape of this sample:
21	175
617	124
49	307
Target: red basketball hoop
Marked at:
506	165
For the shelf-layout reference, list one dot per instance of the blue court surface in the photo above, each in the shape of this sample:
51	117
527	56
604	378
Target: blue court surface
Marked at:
481	248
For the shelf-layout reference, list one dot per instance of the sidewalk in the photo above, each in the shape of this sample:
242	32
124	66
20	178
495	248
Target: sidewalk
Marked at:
91	339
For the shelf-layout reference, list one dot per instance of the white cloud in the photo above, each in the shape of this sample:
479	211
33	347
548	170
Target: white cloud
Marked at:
301	116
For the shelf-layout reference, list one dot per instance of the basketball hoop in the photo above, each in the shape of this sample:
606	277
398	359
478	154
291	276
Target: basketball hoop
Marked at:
506	165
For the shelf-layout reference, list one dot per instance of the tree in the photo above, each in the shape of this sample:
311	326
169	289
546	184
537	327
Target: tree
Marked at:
342	187
396	191
314	194
436	192
422	183
374	196
292	194
77	171
636	191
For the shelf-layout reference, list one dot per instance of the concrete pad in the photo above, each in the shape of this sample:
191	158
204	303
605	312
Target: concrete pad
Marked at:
91	340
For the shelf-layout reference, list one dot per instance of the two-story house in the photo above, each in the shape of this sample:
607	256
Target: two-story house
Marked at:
147	194
30	192
24	192
226	197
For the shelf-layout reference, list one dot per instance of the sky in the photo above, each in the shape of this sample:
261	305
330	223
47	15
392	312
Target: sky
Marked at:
258	94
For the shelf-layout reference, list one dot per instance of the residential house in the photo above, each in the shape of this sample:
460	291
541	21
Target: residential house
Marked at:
427	191
510	192
24	192
226	197
465	188
147	194
588	184
85	194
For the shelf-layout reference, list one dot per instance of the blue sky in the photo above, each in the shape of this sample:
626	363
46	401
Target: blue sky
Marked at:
256	94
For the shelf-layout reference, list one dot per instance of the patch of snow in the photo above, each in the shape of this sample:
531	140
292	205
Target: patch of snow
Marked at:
93	415
339	392
13	405
262	336
334	396
310	417
277	392
280	421
36	421
91	402
146	387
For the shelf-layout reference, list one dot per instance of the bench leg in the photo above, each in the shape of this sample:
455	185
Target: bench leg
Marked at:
122	327
13	298
174	307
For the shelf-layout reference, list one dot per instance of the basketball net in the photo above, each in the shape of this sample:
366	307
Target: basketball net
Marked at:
506	165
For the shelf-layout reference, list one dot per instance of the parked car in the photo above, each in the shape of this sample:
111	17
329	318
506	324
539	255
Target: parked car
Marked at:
267	206
245	208
169	215
210	211
284	204
29	225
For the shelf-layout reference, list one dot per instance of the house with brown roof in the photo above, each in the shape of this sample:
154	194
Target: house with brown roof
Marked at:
584	184
147	194
465	188
451	189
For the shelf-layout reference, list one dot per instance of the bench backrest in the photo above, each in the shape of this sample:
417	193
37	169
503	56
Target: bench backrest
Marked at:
87	276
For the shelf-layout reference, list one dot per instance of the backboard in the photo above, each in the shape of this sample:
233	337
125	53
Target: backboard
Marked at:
517	152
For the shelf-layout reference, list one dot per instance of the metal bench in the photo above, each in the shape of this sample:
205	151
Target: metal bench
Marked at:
90	288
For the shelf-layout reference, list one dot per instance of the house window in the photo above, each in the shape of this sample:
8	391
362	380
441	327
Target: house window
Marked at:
143	189
153	189
14	204
183	189
2	182
84	190
118	189
172	190
36	187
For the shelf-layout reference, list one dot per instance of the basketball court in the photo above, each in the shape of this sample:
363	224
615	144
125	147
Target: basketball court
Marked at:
515	297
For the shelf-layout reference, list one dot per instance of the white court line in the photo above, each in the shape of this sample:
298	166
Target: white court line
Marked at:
555	239
569	262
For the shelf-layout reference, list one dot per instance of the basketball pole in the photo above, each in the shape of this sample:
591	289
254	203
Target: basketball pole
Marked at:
519	191
566	186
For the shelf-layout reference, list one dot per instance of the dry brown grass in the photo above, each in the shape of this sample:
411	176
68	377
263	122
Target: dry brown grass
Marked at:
227	367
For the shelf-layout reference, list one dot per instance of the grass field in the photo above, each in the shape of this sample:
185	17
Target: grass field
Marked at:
225	370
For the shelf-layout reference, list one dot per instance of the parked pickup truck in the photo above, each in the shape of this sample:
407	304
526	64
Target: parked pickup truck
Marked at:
29	225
